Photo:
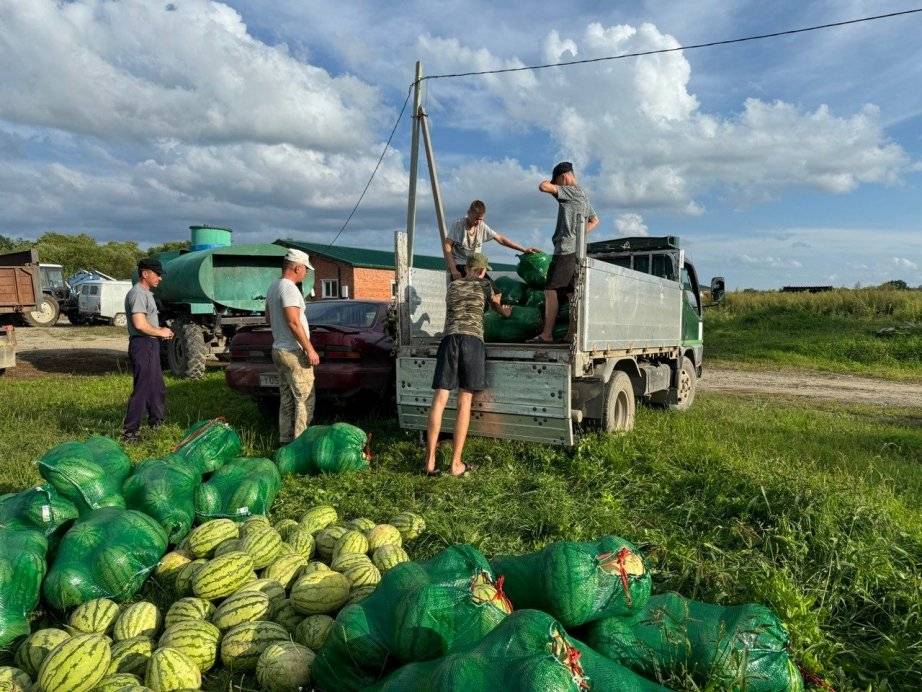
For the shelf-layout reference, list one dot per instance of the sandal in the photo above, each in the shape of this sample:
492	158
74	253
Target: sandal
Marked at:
432	474
538	340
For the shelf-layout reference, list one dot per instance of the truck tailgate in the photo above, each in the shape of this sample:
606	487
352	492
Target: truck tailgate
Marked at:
524	400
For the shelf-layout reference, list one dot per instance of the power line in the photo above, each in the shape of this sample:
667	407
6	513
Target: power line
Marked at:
387	144
710	44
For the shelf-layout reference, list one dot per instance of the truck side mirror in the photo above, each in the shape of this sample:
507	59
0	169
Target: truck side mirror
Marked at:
718	289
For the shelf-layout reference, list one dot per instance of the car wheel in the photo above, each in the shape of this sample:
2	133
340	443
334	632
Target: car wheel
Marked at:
619	405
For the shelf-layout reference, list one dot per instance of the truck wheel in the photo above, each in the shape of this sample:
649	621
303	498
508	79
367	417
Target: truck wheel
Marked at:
618	405
119	320
45	313
187	350
683	397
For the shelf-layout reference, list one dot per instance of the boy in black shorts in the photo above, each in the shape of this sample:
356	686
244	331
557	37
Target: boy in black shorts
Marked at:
461	361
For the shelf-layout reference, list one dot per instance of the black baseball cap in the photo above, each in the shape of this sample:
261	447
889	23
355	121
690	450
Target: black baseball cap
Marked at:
561	168
151	264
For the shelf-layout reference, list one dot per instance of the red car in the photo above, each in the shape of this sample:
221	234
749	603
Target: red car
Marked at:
355	341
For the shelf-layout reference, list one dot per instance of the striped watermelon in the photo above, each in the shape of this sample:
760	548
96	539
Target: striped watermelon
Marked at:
205	538
255	523
351	542
94	617
283	526
228	546
349	561
301	542
389	556
117	682
326	539
263	545
360	593
284	667
243	645
383	534
363	575
130	656
286	615
221	576
285	549
320	592
169	566
313	631
189	608
170	669
76	665
362	524
198	641
182	585
14	680
271	588
319	517
285	569
240	607
36	647
410	525
137	620
315	566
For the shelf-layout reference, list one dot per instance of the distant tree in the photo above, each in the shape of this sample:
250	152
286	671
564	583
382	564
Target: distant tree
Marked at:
116	258
8	244
895	285
170	246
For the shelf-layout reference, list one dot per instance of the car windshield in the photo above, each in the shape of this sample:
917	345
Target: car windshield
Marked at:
342	314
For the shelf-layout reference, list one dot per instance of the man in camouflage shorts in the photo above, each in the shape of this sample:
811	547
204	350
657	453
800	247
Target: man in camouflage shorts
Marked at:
461	361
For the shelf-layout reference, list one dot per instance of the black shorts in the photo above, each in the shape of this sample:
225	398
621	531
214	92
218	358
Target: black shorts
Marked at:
461	363
561	275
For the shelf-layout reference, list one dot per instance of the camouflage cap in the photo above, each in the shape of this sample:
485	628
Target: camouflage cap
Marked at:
478	261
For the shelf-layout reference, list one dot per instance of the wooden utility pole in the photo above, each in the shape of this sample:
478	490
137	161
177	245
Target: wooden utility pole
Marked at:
414	160
433	176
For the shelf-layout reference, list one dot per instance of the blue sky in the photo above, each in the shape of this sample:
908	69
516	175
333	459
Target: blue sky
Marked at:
795	160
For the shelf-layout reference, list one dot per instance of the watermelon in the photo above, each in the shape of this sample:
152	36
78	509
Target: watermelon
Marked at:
362	575
168	568
170	669
320	592
383	534
240	607
95	617
271	588
221	576
182	584
208	536
243	644
350	542
262	544
197	640
301	542
326	540
283	526
117	682
137	620
286	615
36	648
76	665
360	593
284	667
189	608
362	524
229	546
130	656
410	525
14	680
389	556
349	561
255	523
319	517
313	631
285	569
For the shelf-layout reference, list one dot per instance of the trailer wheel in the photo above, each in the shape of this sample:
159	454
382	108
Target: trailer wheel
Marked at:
187	350
119	320
683	397
45	313
618	405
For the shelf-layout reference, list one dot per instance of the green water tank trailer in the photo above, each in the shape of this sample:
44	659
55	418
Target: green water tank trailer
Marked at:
211	290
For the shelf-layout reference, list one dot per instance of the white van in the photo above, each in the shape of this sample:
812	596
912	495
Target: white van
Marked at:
104	301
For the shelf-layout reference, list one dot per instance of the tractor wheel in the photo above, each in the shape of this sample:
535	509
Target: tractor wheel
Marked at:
682	398
619	404
45	313
187	350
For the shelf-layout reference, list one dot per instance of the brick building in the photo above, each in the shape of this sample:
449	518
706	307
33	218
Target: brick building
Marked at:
351	272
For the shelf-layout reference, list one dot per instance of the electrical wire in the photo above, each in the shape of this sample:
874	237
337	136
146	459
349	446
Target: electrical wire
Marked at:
710	44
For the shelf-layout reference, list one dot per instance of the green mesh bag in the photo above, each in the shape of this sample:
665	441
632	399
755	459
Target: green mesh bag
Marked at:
419	612
514	292
527	651
39	509
164	490
239	489
325	449
524	323
208	444
740	647
22	568
533	269
107	553
578	582
89	474
535	299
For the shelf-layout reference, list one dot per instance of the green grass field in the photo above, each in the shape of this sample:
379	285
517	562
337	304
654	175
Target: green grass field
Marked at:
834	331
815	510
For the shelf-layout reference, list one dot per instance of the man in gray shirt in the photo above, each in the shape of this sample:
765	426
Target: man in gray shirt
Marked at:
292	352
148	394
467	235
572	201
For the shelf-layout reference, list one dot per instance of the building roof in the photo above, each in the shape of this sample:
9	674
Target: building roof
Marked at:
371	259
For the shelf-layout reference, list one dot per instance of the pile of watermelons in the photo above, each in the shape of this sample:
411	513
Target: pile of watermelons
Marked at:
527	300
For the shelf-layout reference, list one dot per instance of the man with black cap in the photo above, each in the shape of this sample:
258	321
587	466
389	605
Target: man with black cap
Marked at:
144	335
572	201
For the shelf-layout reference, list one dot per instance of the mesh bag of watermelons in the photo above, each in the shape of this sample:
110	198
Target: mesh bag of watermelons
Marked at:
742	647
39	509
578	582
89	474
523	324
164	490
514	292
533	268
325	449
535	299
107	553
527	651
239	489
208	444
418	612
22	568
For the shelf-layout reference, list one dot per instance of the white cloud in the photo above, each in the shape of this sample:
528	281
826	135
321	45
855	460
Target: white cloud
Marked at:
631	225
770	261
904	263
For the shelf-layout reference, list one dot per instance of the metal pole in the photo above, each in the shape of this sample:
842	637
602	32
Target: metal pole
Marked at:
414	160
434	178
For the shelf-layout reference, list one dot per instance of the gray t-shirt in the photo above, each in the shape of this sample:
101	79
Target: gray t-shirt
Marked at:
284	293
571	201
468	241
139	299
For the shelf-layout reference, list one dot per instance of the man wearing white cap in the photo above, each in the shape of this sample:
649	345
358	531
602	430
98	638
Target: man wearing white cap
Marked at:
292	352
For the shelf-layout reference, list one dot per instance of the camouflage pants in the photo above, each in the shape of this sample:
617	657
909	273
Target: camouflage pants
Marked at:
296	389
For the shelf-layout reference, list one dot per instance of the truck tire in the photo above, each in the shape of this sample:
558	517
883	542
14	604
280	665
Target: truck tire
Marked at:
682	398
618	404
45	313
119	320
187	351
